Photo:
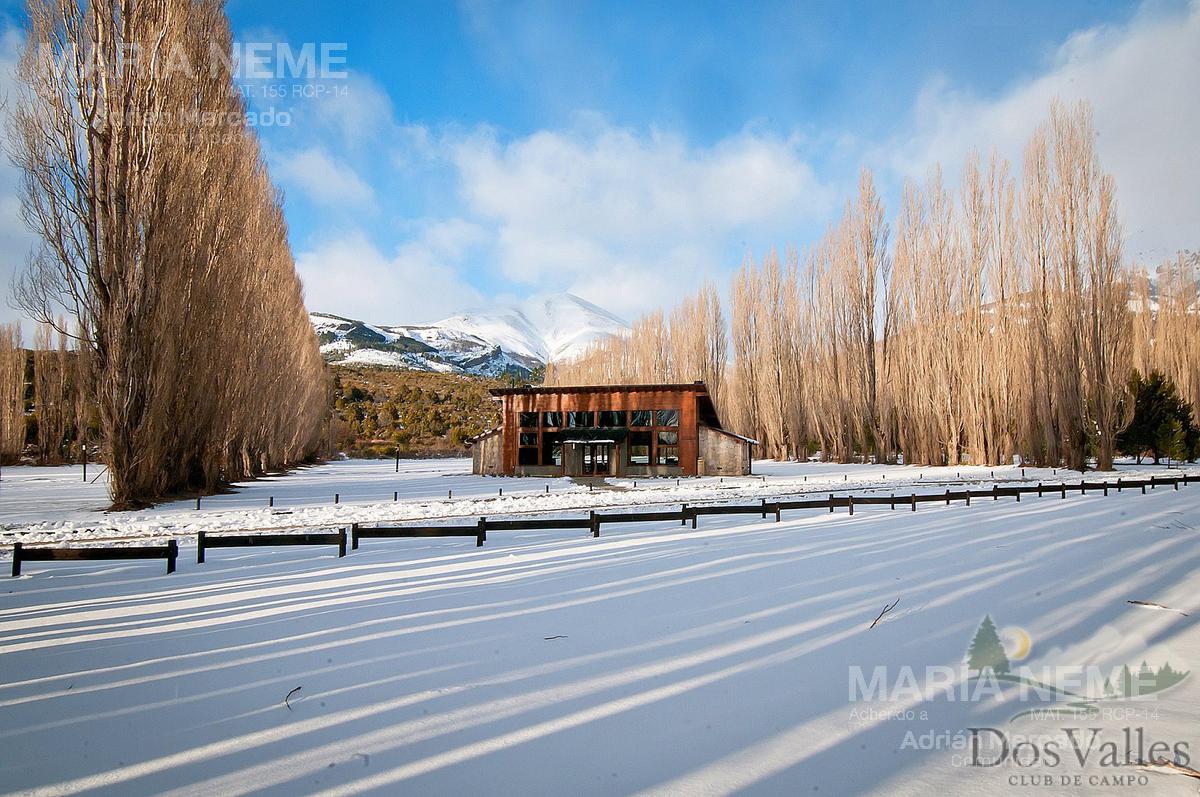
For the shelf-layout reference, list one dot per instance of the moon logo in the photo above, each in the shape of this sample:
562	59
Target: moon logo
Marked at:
1016	643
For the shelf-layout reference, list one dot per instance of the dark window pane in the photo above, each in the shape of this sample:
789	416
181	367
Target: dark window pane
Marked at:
610	419
668	418
527	456
668	455
639	448
641	418
551	450
529	438
667	438
552	420
529	420
581	419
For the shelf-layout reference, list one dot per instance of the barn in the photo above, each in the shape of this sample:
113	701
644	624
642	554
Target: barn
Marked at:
610	430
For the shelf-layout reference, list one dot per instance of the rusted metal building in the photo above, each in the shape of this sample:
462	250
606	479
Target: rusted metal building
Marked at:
610	430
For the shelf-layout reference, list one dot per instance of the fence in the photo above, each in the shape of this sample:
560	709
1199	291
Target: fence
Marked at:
204	541
21	554
593	522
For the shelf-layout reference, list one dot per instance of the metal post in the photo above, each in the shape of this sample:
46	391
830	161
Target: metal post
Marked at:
341	542
481	533
850	503
172	555
200	547
914	502
16	569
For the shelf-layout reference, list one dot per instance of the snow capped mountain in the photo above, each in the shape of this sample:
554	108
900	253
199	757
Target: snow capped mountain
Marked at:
487	341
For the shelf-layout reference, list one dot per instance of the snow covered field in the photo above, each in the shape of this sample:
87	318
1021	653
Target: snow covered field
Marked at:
655	659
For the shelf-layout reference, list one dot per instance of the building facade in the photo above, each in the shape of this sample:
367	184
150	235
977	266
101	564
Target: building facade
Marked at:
617	430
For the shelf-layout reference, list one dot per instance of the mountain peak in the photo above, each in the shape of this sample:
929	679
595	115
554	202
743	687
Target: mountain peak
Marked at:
488	340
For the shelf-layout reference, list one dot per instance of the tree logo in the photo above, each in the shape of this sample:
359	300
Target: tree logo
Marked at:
991	656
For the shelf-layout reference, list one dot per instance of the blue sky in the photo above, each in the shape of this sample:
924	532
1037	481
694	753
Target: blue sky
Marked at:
483	151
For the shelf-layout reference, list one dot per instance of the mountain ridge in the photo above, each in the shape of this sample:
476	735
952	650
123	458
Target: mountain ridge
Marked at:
514	339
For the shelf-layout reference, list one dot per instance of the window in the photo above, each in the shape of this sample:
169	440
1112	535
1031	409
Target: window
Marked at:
529	439
609	419
639	448
528	420
667	418
668	438
579	420
642	418
551	450
668	455
527	456
552	420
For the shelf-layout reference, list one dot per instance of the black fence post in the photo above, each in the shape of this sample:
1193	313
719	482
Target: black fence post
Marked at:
1118	484
481	534
850	503
172	555
341	542
893	501
995	492
595	522
336	498
1064	490
914	502
354	536
1106	489
778	511
968	497
1018	495
1143	488
197	503
764	509
695	515
1039	489
947	498
271	501
831	503
684	516
16	571
200	547
1176	483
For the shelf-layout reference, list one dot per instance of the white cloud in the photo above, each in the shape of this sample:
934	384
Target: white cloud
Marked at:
631	220
349	276
321	178
1141	79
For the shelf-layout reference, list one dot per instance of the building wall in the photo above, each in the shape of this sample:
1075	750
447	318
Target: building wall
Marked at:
627	400
723	454
486	455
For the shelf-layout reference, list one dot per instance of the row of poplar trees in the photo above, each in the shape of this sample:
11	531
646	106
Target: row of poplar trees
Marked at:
163	240
997	320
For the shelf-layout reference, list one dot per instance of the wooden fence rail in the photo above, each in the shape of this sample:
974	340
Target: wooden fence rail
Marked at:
204	541
478	531
21	554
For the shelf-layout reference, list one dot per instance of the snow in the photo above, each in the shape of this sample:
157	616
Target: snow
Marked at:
487	340
654	660
54	505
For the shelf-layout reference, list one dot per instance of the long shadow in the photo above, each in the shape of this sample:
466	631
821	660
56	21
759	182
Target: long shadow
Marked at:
710	646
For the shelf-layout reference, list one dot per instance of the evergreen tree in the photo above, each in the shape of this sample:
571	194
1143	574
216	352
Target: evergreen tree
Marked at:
1162	422
986	651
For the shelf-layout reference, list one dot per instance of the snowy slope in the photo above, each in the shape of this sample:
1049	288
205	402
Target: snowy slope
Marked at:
487	341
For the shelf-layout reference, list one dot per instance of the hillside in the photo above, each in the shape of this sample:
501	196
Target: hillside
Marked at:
377	410
515	340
